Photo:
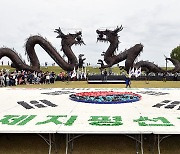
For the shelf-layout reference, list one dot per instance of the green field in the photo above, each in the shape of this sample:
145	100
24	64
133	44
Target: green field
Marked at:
58	69
84	84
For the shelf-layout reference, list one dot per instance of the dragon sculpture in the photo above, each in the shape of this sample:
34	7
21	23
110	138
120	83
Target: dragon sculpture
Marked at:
176	63
149	67
66	41
109	56
129	55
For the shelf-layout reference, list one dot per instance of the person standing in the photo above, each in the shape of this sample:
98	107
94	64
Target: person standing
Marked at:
128	82
7	79
164	77
47	77
105	75
2	83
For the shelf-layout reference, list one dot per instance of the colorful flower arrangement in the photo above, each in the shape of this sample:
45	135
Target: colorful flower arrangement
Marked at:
105	97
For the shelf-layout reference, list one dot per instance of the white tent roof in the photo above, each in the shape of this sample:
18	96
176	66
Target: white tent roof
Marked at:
51	111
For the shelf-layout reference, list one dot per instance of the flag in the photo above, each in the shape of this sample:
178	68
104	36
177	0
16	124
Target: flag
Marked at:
85	73
131	72
74	73
77	74
82	73
138	72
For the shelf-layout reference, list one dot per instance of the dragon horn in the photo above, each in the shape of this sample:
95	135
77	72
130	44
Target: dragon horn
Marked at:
59	32
118	29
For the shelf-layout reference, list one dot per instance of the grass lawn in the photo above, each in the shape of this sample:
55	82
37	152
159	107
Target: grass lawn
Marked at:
58	69
84	84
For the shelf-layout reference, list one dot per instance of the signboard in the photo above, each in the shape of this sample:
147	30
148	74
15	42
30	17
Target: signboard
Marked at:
88	110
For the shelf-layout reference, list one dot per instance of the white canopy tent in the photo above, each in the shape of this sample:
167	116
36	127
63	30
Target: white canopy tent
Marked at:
52	111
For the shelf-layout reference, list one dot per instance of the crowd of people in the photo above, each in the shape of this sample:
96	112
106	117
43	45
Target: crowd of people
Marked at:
14	78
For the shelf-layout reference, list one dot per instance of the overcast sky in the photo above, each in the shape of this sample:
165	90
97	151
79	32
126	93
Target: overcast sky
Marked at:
154	23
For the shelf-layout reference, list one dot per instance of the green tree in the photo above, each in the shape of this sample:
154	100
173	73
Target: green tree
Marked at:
175	54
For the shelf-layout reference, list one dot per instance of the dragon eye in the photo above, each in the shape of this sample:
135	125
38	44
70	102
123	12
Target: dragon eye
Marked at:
78	38
100	35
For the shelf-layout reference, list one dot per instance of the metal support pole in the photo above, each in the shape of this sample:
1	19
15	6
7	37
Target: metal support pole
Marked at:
158	144
50	143
70	142
71	139
159	141
67	142
138	140
137	147
54	142
142	151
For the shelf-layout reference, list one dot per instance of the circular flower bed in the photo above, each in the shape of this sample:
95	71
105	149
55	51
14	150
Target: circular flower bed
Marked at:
105	97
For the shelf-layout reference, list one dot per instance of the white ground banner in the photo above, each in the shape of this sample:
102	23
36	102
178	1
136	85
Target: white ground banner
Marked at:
84	110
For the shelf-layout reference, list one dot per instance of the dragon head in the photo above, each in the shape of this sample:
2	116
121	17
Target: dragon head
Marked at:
70	39
108	35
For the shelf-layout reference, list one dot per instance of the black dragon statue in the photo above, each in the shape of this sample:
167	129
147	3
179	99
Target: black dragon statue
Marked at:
66	41
176	64
110	58
128	55
149	67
